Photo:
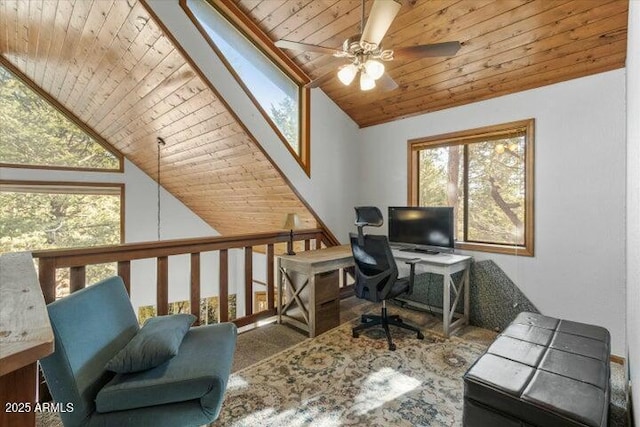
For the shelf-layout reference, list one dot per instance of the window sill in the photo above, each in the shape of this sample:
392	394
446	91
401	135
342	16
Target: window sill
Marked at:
498	249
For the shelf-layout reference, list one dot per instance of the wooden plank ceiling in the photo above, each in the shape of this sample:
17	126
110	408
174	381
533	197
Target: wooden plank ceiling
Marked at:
111	65
507	46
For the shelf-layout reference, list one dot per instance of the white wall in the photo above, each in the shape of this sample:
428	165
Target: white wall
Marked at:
633	201
578	270
334	155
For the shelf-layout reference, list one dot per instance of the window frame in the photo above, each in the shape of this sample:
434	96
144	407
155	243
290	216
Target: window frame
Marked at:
67	115
466	137
67	187
262	42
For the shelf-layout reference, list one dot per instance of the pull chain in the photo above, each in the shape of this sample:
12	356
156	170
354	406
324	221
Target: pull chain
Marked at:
160	143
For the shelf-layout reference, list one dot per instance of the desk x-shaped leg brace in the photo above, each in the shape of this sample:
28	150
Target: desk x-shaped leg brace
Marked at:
294	293
459	290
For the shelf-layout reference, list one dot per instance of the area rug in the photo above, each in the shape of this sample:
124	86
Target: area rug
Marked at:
335	379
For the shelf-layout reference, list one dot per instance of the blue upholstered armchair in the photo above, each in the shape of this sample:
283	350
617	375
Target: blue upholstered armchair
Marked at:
91	326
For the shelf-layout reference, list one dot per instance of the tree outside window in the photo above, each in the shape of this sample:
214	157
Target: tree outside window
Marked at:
34	133
487	176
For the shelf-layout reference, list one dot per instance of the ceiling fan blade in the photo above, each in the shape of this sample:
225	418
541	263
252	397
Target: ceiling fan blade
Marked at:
427	50
321	79
382	14
386	83
287	44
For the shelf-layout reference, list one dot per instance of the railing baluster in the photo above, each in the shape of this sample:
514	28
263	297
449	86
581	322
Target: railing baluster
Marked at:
224	286
124	271
162	286
248	280
77	278
47	276
195	286
270	277
78	259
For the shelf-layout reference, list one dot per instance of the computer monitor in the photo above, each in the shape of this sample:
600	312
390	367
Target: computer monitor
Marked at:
422	228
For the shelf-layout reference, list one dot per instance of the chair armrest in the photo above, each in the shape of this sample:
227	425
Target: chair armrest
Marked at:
412	272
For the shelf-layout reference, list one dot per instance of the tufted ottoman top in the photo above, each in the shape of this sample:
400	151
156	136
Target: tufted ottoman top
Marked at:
546	372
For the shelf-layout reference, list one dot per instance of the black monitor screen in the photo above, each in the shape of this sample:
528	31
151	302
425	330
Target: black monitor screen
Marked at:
422	226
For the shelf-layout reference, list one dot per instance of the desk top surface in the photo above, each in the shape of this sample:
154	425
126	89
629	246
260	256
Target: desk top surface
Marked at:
330	254
343	254
438	259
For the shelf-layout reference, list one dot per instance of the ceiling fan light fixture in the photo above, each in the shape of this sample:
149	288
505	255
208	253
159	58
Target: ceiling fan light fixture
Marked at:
347	74
375	69
366	82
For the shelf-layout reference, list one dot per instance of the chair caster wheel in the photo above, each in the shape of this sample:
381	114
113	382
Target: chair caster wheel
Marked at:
355	334
392	347
420	336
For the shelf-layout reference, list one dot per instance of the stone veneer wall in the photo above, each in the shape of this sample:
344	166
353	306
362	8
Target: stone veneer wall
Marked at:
495	299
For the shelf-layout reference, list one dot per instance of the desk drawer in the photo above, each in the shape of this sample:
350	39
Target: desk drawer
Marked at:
327	286
327	316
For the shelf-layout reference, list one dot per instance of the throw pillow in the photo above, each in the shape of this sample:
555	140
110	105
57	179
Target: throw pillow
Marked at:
155	343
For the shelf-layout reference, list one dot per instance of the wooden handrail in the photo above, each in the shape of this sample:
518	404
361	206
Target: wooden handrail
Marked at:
76	259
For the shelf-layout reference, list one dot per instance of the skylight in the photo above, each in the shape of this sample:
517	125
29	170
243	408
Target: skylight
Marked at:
275	92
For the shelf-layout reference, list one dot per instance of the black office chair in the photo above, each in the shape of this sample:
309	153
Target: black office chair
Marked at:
377	273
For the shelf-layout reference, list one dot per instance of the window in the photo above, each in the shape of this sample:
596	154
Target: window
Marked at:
38	215
36	134
272	81
487	176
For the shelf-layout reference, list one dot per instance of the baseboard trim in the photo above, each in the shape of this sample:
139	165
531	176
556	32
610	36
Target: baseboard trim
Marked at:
617	359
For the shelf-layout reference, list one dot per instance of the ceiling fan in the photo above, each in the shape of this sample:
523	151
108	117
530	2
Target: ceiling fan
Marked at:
365	52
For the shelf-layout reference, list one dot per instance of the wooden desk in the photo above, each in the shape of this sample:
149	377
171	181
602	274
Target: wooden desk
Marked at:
25	337
445	265
311	282
322	289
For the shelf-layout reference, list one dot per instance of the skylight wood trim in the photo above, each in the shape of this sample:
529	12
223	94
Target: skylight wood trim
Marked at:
69	116
254	34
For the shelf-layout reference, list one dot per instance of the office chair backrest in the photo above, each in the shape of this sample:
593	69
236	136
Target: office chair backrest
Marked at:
367	216
376	269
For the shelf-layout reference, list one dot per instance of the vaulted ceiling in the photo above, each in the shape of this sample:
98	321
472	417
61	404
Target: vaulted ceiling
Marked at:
507	46
112	66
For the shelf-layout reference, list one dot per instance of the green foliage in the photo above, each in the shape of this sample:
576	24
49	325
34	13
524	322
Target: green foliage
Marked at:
495	186
33	221
36	221
35	133
285	116
208	310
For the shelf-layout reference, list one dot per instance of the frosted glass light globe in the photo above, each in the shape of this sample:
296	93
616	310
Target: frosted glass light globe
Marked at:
366	82
375	69
347	74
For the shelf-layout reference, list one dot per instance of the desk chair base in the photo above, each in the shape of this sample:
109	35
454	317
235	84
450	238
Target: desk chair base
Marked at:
370	320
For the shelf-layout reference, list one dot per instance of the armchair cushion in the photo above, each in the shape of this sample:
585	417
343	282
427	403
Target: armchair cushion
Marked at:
155	343
199	371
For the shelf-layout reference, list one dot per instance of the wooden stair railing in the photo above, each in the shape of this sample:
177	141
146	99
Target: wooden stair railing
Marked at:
77	260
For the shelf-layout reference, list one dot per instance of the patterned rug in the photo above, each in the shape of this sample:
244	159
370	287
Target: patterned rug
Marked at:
335	379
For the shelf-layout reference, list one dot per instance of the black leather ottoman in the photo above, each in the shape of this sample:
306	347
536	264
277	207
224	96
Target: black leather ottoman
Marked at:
542	372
